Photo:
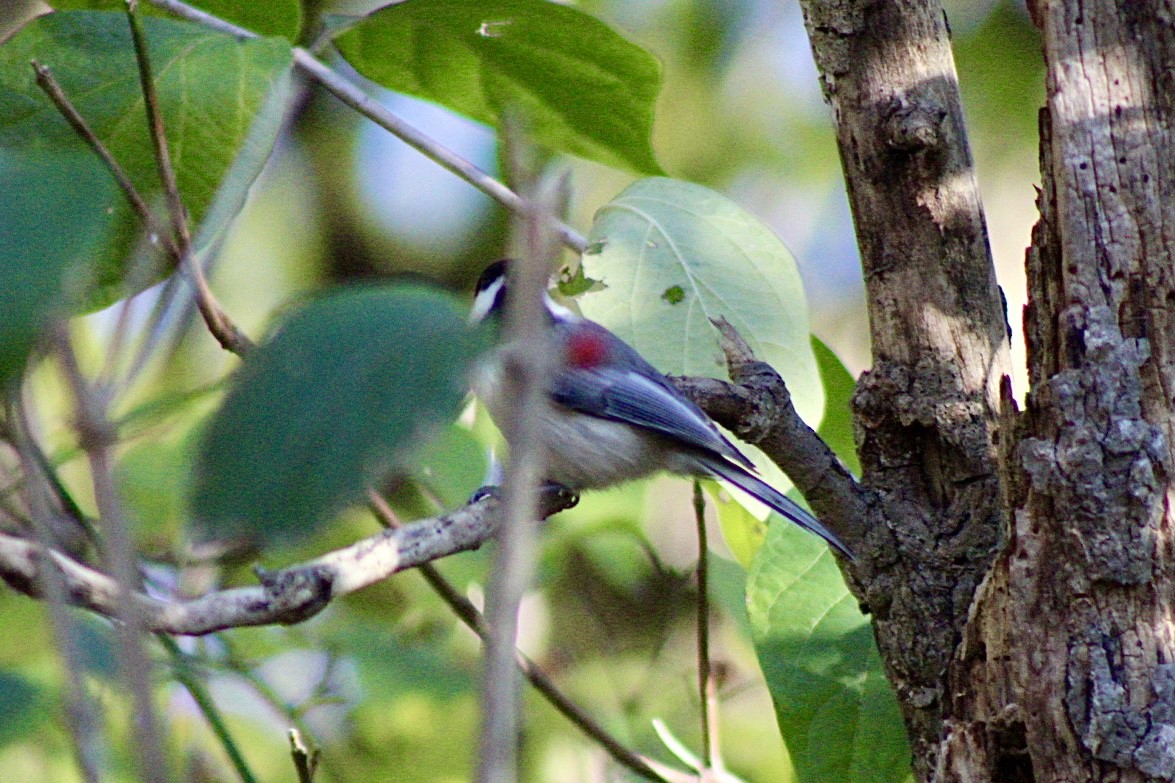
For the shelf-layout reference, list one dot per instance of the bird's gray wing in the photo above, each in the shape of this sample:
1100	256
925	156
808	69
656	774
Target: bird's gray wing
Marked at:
632	397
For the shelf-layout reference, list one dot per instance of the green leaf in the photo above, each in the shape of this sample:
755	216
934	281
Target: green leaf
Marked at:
661	237
95	640
22	704
272	17
742	530
836	428
44	261
452	466
836	711
581	87
220	99
344	391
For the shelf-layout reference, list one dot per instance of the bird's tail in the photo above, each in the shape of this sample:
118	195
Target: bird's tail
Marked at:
756	487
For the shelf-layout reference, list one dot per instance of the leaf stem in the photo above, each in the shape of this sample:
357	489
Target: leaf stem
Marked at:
182	669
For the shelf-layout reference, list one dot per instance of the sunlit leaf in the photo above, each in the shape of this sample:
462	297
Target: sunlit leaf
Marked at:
836	711
580	86
53	217
340	396
743	531
220	99
670	256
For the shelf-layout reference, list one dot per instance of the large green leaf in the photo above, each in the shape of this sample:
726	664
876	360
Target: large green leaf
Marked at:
271	17
836	711
670	256
342	394
580	87
43	261
221	101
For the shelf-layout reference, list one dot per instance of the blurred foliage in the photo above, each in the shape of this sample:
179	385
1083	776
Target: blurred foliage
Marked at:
221	97
385	680
44	267
341	395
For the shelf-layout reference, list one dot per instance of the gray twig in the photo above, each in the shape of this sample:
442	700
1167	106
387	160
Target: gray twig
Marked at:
287	596
305	760
526	357
96	436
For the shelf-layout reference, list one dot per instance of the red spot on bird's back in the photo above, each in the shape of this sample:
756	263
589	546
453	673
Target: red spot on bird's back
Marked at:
586	349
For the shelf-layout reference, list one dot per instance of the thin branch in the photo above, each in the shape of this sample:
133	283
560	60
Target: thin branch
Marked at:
526	357
305	760
219	324
52	88
705	677
95	434
163	164
157	233
288	596
475	621
81	716
758	408
342	88
185	676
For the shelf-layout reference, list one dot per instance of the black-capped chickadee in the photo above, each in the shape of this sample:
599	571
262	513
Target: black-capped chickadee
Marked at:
614	418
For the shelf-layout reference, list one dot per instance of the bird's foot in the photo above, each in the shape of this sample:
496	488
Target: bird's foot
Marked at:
553	497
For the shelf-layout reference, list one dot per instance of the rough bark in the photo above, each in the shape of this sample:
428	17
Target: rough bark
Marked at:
1068	671
926	411
1062	665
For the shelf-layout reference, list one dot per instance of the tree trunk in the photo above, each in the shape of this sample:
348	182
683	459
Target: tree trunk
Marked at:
927	409
1068	670
1061	666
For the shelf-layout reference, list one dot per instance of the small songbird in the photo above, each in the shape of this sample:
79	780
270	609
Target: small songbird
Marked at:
614	418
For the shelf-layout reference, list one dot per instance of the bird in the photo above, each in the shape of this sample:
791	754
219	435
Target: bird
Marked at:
613	417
